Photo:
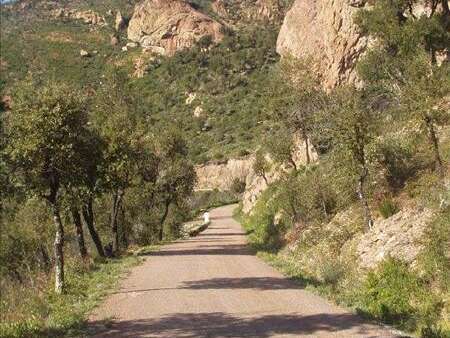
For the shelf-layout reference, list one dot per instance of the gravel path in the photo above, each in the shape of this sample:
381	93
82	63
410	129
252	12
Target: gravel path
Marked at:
213	286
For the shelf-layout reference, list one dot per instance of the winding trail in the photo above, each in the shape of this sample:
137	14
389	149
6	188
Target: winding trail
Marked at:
213	286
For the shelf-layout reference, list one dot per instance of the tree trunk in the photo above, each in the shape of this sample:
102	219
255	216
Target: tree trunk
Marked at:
125	231
163	219
265	179
45	259
79	231
88	216
305	138
291	160
363	199
439	166
117	199
59	250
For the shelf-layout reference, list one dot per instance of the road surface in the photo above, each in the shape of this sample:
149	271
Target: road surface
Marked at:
213	286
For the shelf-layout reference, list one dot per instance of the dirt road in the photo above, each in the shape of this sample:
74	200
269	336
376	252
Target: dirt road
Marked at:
213	286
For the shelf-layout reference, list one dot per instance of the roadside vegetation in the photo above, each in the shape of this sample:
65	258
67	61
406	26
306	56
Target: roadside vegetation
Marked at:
83	181
382	149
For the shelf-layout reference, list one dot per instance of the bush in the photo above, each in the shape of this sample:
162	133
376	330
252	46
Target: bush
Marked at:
387	208
398	160
331	271
238	186
388	291
394	294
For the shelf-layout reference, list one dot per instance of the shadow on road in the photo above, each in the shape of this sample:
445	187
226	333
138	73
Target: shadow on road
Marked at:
230	249
255	283
219	324
259	283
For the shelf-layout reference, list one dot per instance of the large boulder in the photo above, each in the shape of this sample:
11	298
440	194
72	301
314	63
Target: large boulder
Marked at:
170	24
324	31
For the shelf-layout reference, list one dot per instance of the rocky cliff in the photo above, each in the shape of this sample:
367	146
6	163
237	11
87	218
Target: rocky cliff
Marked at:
221	175
324	31
171	25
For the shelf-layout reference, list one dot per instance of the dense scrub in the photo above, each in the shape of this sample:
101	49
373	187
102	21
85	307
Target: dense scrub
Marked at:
410	298
382	149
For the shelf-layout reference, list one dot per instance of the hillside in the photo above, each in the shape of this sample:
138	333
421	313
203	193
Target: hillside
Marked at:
213	94
328	121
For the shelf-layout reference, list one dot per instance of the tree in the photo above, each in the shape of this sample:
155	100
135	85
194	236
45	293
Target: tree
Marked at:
350	122
118	125
261	166
76	218
410	61
176	175
296	98
46	132
82	197
281	148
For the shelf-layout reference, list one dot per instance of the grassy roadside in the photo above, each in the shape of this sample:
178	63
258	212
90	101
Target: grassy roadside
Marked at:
49	315
392	293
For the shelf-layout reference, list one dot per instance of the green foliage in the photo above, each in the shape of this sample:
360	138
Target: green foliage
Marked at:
44	314
388	208
238	186
388	292
394	294
48	137
399	160
261	165
434	259
403	67
229	82
280	146
264	234
331	272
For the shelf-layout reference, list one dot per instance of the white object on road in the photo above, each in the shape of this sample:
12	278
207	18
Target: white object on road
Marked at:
206	217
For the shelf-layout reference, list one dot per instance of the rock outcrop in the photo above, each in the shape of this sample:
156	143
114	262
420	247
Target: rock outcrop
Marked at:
221	175
398	236
244	10
88	17
325	32
170	24
120	22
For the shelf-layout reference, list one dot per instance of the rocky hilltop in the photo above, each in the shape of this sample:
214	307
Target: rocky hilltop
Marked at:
324	31
171	25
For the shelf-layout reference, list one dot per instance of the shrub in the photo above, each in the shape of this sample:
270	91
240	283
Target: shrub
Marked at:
331	271
388	291
273	235
387	208
396	295
238	186
398	160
